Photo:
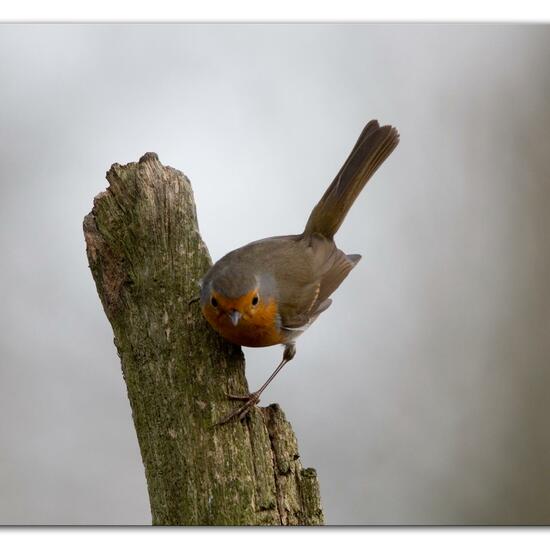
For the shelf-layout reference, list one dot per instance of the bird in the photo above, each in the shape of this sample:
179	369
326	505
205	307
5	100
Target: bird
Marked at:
270	291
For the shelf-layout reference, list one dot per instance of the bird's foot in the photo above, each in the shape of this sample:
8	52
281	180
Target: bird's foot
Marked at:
250	401
248	397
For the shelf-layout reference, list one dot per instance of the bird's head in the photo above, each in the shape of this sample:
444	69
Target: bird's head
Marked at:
242	307
230	295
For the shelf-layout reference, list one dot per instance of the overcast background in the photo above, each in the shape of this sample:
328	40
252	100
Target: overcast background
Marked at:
421	396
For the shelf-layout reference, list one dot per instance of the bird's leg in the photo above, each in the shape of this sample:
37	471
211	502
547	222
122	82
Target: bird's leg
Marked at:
287	356
253	398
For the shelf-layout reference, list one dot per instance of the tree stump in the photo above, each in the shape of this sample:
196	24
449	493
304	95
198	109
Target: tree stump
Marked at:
147	256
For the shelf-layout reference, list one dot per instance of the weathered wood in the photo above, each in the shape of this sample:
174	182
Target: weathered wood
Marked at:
146	256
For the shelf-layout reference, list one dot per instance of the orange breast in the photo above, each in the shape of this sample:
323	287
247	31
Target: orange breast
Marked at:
256	328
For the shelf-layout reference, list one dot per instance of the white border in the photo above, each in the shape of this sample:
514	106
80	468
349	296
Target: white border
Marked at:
273	538
274	10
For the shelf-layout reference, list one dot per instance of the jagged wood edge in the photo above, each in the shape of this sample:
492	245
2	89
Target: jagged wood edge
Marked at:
279	491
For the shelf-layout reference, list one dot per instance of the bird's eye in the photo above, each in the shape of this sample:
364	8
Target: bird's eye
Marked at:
214	302
255	301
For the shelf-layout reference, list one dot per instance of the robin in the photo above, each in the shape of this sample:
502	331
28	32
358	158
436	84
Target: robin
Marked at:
270	291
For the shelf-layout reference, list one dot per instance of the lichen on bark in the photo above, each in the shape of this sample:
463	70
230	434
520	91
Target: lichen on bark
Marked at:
147	256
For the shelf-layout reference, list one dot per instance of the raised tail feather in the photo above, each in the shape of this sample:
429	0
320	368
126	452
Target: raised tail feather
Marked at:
372	148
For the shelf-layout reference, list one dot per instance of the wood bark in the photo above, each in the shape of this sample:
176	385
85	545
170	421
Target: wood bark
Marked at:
147	256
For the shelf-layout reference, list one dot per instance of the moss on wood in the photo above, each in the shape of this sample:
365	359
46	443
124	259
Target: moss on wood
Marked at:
147	256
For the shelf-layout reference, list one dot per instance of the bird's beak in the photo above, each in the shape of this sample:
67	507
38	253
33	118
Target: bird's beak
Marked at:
235	317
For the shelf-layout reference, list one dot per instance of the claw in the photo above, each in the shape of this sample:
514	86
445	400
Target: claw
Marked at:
243	410
248	397
253	398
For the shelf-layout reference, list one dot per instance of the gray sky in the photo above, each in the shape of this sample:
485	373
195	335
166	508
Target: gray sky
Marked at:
421	395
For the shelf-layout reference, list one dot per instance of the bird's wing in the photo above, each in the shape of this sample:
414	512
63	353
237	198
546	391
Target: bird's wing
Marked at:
300	272
313	270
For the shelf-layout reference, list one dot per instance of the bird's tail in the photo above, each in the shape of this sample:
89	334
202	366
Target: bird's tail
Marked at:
372	148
